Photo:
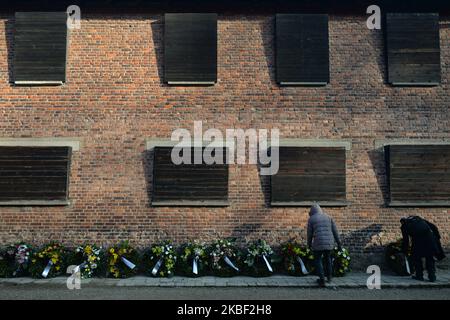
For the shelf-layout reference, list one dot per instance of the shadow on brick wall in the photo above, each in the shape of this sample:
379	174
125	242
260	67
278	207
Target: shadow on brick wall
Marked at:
268	28
359	239
265	185
158	44
9	32
376	157
244	231
147	162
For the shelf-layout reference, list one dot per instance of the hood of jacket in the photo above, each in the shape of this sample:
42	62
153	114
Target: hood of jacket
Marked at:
315	209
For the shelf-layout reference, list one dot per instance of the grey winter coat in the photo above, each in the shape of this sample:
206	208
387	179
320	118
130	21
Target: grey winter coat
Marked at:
322	232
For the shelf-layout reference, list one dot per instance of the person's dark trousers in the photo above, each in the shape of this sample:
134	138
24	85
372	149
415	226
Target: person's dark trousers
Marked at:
429	263
326	255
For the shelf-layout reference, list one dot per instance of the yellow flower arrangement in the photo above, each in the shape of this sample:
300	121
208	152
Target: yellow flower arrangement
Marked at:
160	260
49	261
88	258
122	260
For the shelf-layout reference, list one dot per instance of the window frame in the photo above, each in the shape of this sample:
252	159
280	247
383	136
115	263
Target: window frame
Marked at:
187	203
278	45
168	76
390	36
19	81
26	201
345	146
392	201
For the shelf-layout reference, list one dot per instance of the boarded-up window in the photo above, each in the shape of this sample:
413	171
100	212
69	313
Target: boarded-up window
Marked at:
34	175
190	48
413	53
308	174
302	56
189	184
40	45
418	175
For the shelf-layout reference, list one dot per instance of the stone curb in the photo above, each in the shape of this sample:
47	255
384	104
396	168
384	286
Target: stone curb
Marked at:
276	281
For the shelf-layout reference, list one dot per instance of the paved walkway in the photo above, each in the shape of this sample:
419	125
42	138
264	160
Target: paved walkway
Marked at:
352	280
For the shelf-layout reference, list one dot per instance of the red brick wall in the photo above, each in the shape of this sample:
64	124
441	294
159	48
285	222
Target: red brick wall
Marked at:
114	98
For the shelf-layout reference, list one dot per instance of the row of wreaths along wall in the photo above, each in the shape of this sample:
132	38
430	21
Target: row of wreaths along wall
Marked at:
219	258
193	259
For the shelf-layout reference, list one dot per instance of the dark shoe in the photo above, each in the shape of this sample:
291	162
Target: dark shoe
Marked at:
321	283
417	278
432	278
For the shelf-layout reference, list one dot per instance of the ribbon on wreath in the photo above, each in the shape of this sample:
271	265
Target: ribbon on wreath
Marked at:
195	265
228	262
128	263
157	266
47	269
17	270
79	267
302	265
267	263
408	270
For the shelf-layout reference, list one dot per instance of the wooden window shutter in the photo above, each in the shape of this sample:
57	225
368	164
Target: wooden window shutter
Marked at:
413	50
310	174
302	56
34	175
418	175
188	184
40	47
190	48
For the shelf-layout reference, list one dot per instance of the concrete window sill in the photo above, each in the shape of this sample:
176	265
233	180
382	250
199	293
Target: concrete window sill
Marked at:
419	204
190	203
20	203
38	83
309	203
415	84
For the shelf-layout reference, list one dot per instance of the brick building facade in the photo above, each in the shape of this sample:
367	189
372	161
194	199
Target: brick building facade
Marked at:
115	99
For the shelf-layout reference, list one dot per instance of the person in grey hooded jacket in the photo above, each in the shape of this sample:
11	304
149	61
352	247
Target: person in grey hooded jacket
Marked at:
322	235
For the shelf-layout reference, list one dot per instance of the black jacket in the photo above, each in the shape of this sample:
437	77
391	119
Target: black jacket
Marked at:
437	237
425	237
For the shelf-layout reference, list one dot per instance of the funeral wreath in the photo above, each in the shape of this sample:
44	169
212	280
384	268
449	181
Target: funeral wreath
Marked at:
193	259
340	261
298	259
159	260
224	257
259	259
88	259
49	261
122	260
14	260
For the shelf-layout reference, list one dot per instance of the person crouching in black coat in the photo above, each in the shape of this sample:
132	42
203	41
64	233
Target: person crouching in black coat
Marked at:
424	244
